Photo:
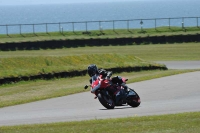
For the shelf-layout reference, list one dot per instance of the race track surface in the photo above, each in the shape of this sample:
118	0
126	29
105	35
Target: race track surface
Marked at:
173	94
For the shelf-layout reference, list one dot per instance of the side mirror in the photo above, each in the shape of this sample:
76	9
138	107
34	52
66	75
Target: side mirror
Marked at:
86	87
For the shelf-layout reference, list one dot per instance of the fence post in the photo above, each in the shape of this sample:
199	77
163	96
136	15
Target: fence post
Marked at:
7	30
169	23
86	26
73	26
100	27
141	24
20	31
197	22
59	27
33	29
182	23
46	29
128	25
155	24
113	25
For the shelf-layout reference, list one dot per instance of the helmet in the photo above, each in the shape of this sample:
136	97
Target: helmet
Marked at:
92	70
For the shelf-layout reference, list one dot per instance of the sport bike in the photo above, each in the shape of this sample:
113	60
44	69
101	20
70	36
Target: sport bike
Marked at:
114	92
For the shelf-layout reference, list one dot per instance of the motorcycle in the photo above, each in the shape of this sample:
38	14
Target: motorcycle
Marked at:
122	95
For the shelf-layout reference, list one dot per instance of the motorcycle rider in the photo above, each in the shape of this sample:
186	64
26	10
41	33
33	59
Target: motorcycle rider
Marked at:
94	73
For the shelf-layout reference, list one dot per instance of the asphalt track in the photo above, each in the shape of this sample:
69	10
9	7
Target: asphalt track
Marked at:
173	94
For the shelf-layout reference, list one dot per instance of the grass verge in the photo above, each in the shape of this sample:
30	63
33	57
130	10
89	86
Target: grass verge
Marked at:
173	123
159	52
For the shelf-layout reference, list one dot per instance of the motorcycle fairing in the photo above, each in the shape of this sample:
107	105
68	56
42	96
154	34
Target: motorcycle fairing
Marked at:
131	93
98	84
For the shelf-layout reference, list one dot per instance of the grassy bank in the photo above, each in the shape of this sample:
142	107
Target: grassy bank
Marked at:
173	123
28	66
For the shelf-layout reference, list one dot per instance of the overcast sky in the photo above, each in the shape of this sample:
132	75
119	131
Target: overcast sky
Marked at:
25	2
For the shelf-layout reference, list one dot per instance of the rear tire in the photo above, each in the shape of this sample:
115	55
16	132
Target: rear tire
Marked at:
106	101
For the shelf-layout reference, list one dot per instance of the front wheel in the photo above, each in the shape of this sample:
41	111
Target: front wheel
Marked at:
133	101
106	101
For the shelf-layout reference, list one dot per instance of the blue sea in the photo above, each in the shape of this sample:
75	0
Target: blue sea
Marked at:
133	11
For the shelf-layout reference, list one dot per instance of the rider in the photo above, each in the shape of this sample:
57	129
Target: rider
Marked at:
94	73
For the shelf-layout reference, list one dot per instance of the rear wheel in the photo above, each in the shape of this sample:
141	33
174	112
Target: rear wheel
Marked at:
106	101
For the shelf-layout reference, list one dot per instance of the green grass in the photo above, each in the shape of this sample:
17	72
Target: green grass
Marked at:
29	91
173	123
97	34
158	52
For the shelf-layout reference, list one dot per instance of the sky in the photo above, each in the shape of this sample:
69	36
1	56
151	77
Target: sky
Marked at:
33	2
36	2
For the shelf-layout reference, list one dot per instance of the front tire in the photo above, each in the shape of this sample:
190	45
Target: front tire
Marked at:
134	101
106	101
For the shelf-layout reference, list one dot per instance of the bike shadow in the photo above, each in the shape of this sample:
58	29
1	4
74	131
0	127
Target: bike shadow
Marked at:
119	107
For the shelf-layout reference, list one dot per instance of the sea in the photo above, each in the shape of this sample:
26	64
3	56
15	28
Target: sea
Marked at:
98	16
